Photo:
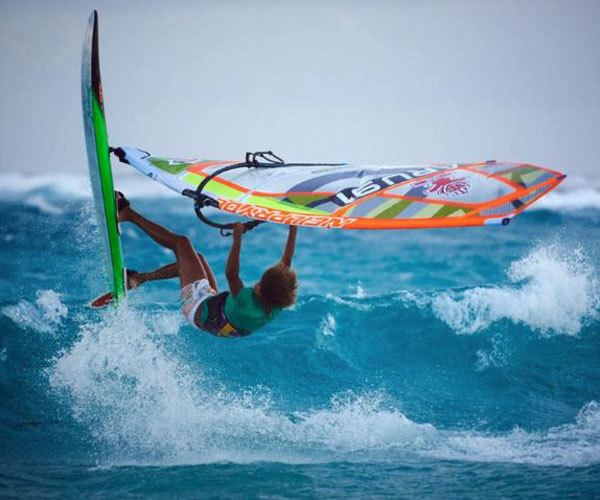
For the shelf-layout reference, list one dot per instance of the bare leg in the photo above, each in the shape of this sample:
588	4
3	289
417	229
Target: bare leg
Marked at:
209	272
162	273
170	271
189	266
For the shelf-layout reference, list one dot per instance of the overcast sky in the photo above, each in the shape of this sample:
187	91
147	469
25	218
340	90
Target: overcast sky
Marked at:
366	81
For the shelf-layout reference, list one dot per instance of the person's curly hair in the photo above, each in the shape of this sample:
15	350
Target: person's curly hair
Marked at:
277	287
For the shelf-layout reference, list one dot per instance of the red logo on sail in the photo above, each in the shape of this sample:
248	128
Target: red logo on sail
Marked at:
446	185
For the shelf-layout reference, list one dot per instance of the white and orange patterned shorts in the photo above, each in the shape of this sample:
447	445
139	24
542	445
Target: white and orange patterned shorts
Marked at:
192	296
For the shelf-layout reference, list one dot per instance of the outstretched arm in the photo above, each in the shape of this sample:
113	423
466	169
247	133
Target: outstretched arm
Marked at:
232	271
290	246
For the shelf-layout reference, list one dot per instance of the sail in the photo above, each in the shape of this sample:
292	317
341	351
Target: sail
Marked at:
353	196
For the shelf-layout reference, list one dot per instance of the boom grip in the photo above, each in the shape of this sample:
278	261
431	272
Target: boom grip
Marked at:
201	200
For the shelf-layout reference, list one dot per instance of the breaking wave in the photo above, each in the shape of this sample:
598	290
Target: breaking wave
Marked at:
551	290
569	200
43	315
144	404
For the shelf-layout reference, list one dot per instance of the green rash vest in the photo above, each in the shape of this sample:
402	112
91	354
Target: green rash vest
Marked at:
244	311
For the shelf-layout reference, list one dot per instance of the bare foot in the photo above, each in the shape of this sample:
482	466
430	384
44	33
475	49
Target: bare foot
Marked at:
123	214
134	279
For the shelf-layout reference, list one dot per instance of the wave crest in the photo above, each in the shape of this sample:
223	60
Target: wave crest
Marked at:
43	315
552	290
143	404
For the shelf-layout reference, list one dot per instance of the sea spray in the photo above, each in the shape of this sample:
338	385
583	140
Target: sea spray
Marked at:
575	444
45	206
582	199
43	315
123	385
553	290
144	404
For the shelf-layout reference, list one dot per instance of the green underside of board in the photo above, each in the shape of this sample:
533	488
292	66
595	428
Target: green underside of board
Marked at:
108	199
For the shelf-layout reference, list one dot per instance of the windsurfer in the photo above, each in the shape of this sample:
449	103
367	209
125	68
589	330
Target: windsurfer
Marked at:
237	312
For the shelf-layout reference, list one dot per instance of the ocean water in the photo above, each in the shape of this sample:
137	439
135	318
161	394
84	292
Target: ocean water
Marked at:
461	362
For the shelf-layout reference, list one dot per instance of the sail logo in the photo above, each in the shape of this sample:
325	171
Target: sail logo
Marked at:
349	195
273	215
446	185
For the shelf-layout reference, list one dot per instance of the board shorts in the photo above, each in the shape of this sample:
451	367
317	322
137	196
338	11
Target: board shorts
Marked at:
192	297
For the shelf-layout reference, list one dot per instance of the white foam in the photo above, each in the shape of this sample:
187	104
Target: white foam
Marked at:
348	303
361	422
568	200
43	205
325	335
34	187
574	444
124	383
44	315
144	405
328	326
359	291
17	186
494	357
552	290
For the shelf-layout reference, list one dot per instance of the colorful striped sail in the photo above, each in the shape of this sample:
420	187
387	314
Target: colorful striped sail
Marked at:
352	196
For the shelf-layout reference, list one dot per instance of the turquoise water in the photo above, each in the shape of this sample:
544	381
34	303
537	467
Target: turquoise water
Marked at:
461	362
